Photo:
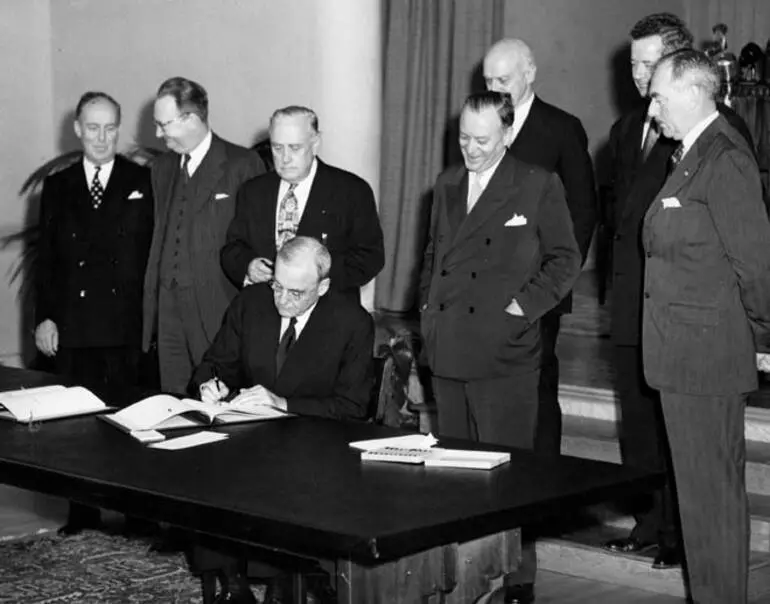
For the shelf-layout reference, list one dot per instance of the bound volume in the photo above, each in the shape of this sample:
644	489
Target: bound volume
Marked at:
166	412
48	402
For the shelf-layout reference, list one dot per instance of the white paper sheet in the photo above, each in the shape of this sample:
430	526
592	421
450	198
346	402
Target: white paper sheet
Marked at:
410	441
203	437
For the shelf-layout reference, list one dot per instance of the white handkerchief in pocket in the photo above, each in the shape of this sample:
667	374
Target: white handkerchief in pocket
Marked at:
219	196
516	220
671	202
136	195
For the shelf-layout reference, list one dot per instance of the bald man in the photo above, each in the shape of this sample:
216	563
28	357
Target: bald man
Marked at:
553	139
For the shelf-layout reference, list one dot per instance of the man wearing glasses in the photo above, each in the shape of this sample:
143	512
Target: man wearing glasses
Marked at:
194	184
297	346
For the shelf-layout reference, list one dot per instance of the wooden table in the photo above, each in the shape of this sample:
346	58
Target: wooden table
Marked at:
394	533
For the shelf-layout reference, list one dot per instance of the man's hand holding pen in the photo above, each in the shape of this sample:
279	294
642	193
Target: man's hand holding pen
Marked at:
214	390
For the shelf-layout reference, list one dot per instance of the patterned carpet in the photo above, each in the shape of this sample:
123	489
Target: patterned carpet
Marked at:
92	568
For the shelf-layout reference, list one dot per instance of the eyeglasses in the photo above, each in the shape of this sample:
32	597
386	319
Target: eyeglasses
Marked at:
294	294
166	124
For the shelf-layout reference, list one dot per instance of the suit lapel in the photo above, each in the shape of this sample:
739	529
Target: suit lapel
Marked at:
526	137
315	212
501	188
457	204
209	173
313	335
689	165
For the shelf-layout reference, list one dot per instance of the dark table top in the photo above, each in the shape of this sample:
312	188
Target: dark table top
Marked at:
295	485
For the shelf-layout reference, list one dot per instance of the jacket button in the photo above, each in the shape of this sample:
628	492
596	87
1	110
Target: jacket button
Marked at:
646	294
441	307
473	275
649	254
82	263
489	241
471	310
82	293
443	273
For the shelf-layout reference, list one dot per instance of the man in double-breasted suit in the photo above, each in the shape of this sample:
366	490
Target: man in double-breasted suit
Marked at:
500	254
706	317
301	347
95	229
546	136
195	185
640	160
304	196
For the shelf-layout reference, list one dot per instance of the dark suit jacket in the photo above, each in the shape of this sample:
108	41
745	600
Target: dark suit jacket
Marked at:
328	371
635	182
340	212
475	265
556	141
91	262
224	168
707	275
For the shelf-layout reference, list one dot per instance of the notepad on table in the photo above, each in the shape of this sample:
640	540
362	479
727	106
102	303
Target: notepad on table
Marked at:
419	449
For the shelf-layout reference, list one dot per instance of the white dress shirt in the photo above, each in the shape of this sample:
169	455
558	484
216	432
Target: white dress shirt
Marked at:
104	173
689	140
520	114
481	180
299	325
197	154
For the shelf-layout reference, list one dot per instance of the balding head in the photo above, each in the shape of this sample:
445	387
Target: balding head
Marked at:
509	66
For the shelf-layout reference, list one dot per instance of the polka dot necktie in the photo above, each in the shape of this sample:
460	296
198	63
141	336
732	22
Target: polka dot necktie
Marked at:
97	191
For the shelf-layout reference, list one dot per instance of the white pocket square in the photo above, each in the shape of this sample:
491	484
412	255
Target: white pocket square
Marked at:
136	195
671	202
221	196
516	220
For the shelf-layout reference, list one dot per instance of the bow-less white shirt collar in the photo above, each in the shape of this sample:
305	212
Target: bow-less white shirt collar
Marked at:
104	173
520	115
197	154
299	325
689	139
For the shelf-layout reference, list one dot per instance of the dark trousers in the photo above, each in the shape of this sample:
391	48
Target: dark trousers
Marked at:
644	444
548	434
708	451
103	370
182	340
501	411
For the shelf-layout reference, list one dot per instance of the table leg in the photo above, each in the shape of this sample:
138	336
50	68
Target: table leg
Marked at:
452	574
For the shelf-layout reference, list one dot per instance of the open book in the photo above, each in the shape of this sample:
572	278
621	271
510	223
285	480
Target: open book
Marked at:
420	449
48	402
167	412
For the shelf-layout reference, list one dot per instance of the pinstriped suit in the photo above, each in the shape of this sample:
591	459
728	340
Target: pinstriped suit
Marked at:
706	313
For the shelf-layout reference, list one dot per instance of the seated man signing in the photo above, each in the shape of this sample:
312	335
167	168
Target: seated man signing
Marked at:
300	347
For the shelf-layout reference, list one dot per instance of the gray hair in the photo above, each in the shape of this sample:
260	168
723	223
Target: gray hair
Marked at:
296	110
300	247
696	68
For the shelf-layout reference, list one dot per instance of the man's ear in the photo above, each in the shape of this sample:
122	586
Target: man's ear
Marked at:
508	136
78	129
316	144
323	287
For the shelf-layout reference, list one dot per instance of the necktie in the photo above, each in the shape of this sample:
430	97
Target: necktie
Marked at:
284	346
185	162
288	218
96	190
676	157
650	139
474	189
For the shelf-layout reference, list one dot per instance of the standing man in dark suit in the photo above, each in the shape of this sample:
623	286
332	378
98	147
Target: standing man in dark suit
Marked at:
500	254
300	347
640	160
307	197
95	229
553	139
195	183
706	317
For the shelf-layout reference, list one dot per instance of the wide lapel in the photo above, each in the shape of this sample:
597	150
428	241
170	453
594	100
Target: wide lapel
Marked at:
687	167
527	137
313	222
209	173
456	202
500	189
78	185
